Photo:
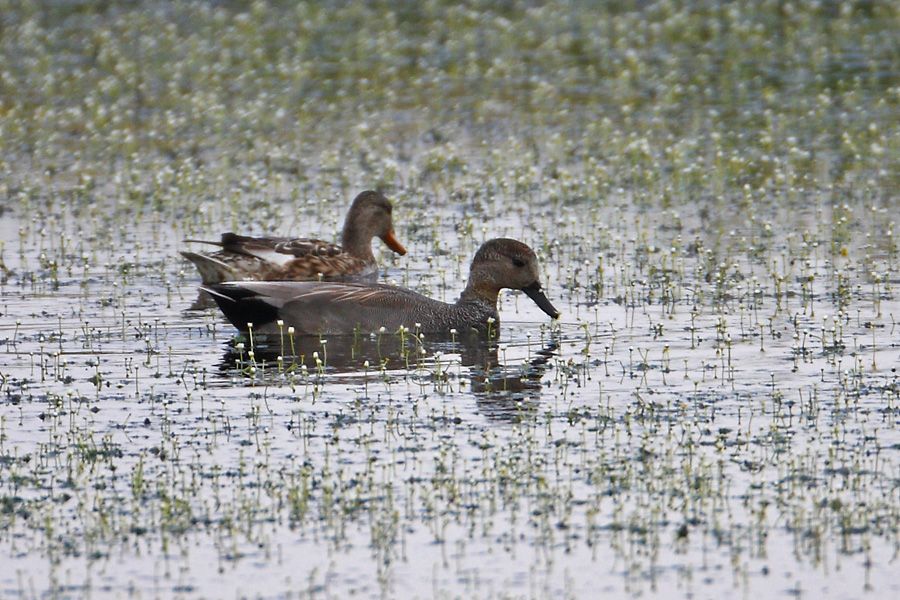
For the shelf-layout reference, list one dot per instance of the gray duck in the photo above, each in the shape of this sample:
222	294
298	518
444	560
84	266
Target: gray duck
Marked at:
339	308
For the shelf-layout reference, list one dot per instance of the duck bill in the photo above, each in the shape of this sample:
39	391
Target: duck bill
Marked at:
393	243
535	293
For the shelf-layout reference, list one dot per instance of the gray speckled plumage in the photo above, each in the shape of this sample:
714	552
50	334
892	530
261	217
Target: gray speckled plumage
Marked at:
337	308
344	308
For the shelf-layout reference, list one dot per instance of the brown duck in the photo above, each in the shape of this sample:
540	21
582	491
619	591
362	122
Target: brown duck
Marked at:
346	308
298	259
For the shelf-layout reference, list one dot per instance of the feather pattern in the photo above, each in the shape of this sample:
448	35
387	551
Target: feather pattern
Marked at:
247	258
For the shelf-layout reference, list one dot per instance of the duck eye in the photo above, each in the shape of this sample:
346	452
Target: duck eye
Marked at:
518	262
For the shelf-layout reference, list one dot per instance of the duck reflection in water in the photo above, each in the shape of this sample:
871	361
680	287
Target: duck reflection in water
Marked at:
503	390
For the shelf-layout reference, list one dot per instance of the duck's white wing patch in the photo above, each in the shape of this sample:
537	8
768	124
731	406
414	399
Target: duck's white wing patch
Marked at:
270	255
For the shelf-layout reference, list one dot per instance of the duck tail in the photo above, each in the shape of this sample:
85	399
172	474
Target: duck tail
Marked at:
213	290
210	242
212	270
241	305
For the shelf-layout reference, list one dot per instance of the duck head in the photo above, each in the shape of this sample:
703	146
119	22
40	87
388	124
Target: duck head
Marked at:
370	216
507	263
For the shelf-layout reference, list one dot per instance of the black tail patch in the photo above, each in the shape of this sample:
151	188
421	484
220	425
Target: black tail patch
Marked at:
242	306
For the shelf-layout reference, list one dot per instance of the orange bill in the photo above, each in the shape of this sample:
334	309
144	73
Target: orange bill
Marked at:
391	240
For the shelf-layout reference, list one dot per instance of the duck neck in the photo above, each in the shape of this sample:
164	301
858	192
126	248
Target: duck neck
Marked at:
477	309
357	242
482	293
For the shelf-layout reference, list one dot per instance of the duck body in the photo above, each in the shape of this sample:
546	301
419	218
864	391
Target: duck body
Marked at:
324	308
246	258
335	308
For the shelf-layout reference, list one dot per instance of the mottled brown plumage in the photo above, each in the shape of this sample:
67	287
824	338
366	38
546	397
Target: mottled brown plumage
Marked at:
245	258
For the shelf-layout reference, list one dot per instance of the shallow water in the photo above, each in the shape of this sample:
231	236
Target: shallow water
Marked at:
716	413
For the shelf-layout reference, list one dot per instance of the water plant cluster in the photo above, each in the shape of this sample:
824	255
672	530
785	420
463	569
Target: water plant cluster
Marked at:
711	189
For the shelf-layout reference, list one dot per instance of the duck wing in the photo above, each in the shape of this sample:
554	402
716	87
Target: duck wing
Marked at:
312	307
294	247
296	258
301	247
278	258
